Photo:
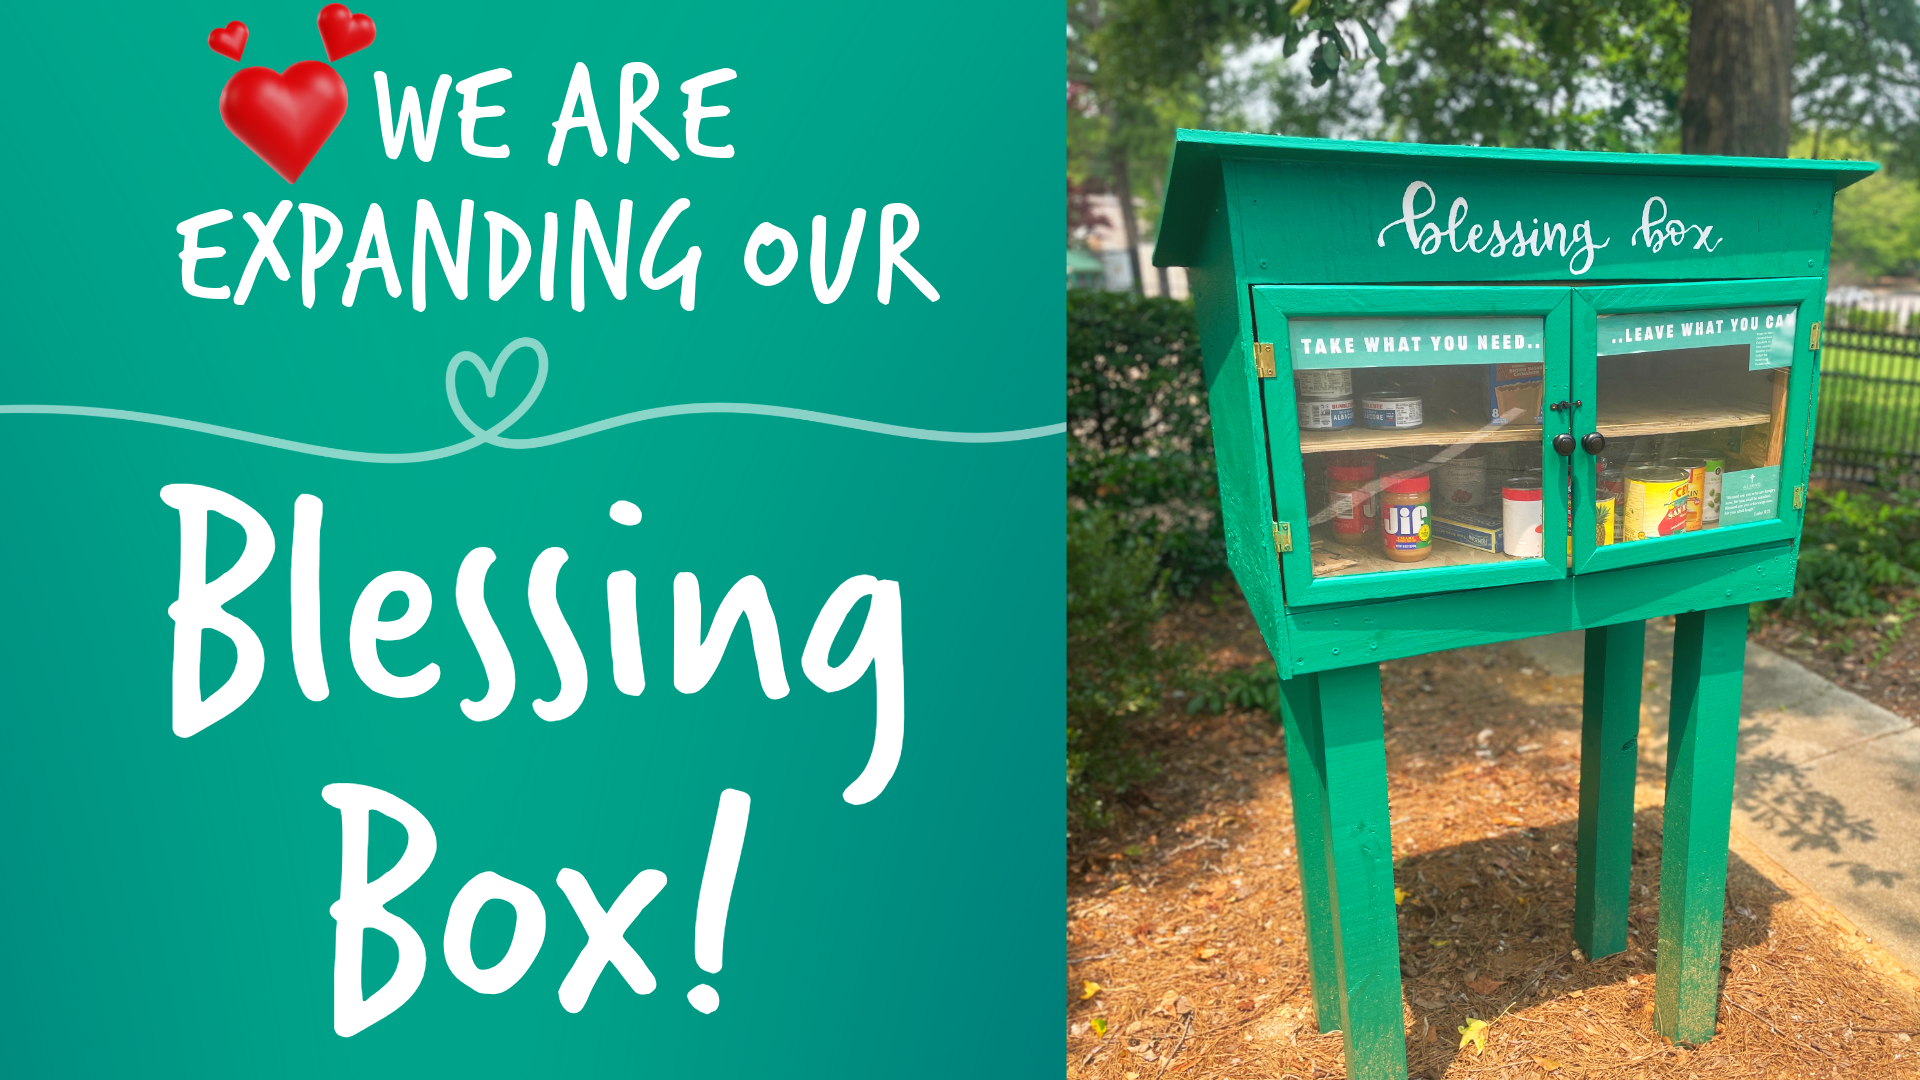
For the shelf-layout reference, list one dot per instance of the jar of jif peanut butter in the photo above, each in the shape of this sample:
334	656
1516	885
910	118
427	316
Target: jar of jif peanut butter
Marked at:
1405	500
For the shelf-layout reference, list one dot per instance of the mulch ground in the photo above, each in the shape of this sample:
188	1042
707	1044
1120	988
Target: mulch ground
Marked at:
1186	955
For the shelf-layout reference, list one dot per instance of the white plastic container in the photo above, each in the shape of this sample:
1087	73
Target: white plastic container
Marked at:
1523	518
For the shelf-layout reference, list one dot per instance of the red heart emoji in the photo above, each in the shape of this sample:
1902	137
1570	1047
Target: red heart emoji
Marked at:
343	32
285	118
229	41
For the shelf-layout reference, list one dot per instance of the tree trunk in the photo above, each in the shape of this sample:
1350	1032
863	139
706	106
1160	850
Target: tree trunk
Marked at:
1166	282
1739	93
1123	190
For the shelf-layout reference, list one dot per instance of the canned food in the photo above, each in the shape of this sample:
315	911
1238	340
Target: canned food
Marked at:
1463	482
1605	520
1391	411
1613	485
1657	498
1710	492
1324	382
1326	414
1523	517
1350	502
1697	479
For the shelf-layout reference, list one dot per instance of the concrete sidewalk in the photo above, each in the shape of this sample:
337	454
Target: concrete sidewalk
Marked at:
1827	783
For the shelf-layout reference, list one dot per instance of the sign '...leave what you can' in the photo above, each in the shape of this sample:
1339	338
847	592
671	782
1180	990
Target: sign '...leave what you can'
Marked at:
502	579
1766	331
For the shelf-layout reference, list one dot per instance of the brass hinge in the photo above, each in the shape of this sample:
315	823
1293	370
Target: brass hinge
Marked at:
1282	536
1813	338
1799	496
1263	359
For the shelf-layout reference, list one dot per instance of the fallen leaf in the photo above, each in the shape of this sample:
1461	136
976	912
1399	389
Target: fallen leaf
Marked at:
1546	1064
1486	985
1475	1032
1260	969
1440	943
1243	1006
1183	1006
1099	1025
1399	895
1088	988
1205	954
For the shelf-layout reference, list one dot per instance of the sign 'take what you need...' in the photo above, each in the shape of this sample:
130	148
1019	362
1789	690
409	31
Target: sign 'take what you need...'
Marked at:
522	557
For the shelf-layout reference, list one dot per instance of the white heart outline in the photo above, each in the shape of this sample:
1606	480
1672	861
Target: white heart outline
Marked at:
490	376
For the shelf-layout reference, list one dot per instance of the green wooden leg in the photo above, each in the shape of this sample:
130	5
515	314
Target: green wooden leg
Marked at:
1300	711
1609	751
1360	872
1709	650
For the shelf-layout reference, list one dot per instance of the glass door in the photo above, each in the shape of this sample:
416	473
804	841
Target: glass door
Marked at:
1408	433
1690	414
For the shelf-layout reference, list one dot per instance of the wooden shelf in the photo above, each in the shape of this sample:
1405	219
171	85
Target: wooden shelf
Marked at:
1659	419
1371	560
1624	421
1440	433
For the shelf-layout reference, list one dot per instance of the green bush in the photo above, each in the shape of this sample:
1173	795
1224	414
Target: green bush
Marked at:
1859	555
1116	592
1138	442
1254	687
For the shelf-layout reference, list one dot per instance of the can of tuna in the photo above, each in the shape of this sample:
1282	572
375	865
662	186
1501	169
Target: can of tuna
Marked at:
1326	414
1324	382
1697	480
1391	411
1657	498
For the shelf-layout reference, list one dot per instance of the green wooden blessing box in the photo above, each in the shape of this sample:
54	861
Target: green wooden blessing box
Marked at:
1465	395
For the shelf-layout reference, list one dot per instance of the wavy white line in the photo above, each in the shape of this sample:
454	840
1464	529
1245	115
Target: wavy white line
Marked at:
493	435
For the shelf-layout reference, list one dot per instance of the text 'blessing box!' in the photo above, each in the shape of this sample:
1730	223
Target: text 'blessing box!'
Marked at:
475	599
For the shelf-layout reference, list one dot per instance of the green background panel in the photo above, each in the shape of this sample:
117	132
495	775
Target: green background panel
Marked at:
171	895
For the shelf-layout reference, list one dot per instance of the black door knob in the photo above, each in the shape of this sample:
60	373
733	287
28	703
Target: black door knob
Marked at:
1563	443
1594	442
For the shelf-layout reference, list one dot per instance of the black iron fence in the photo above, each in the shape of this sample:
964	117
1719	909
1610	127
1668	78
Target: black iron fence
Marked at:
1869	419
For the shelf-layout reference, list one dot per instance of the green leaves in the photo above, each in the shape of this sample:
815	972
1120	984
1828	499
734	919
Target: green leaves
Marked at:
1857	552
1553	73
1115	594
1373	40
1139	439
1256	687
